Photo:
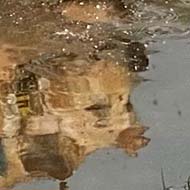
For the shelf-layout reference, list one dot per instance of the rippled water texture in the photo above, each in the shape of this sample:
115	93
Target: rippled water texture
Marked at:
70	74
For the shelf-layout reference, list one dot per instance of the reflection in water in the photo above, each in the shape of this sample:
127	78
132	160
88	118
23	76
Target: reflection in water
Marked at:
86	109
184	186
61	105
69	68
63	186
3	164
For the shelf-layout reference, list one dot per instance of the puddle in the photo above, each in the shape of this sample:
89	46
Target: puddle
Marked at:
66	91
169	87
161	103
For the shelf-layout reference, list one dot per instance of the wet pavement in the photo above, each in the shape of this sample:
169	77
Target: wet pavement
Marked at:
161	101
163	104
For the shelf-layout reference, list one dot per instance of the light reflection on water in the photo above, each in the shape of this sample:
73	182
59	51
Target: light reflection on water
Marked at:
169	131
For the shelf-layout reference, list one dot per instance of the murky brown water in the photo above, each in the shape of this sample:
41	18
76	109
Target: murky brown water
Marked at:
85	56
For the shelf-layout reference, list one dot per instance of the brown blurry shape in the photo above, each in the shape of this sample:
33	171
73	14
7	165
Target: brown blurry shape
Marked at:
63	186
93	10
131	140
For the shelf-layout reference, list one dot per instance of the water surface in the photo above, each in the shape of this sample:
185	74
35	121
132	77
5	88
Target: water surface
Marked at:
161	103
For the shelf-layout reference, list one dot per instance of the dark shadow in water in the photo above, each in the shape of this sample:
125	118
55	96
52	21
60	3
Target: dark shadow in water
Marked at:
3	163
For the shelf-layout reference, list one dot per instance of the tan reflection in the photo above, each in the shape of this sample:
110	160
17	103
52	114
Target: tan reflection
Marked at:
79	114
58	108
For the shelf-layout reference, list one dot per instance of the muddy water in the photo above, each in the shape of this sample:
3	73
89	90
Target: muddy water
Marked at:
65	87
163	104
166	21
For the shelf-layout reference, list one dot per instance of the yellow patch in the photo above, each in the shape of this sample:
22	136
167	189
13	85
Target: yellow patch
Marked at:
23	104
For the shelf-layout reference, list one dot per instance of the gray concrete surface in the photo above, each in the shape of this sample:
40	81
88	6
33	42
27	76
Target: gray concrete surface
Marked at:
38	185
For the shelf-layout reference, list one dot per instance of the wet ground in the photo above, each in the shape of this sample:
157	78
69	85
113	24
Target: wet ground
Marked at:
161	102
